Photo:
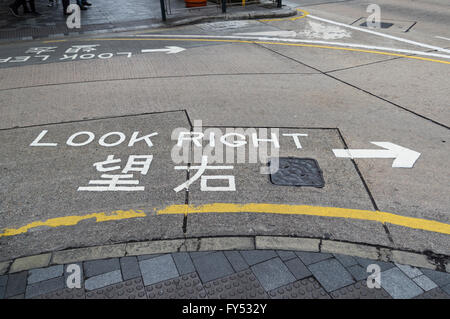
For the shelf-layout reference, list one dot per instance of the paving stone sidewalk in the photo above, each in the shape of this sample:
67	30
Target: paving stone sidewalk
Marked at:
106	16
248	274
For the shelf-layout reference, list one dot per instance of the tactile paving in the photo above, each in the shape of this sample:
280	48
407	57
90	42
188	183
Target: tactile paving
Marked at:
307	288
130	289
436	293
184	287
65	293
297	172
242	285
359	290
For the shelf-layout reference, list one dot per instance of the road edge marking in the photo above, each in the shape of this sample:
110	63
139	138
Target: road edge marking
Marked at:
335	212
73	220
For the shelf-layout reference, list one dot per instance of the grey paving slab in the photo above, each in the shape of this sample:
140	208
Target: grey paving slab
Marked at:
297	268
145	257
424	282
273	274
346	260
241	285
3	280
358	272
16	284
212	266
436	293
307	288
398	285
130	267
102	266
4	265
103	280
286	254
183	262
196	254
44	287
309	258
359	290
41	274
187	286
253	257
439	277
364	262
66	293
158	269
130	289
446	288
410	271
331	274
236	260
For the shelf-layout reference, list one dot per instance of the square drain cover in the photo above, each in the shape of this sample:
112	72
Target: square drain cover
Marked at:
297	172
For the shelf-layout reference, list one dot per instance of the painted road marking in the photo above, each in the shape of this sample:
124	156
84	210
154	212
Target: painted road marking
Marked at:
168	50
336	45
424	45
404	157
333	212
444	38
73	220
278	43
304	14
382	217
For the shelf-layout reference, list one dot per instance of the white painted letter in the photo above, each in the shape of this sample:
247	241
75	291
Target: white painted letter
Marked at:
274	140
90	139
295	137
103	138
40	136
146	138
189	137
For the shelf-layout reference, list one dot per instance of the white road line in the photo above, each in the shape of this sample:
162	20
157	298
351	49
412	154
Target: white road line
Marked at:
381	34
444	38
351	45
281	33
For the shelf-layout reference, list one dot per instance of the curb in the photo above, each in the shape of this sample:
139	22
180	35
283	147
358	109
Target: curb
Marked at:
280	13
434	262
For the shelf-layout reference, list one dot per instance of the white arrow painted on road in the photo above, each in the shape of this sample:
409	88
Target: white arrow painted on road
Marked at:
404	157
168	50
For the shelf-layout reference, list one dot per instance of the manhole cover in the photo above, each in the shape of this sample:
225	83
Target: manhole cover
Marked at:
383	25
297	172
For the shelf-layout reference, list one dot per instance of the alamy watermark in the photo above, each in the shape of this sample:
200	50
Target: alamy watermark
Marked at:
228	146
374	279
373	21
74	19
74	278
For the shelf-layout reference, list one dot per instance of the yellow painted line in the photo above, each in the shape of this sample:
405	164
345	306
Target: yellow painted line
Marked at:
53	41
276	43
73	220
382	217
332	212
304	14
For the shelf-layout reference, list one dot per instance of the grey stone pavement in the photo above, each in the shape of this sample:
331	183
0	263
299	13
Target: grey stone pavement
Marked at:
106	16
230	274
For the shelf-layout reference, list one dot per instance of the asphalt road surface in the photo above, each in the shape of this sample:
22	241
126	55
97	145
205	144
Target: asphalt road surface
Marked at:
369	106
